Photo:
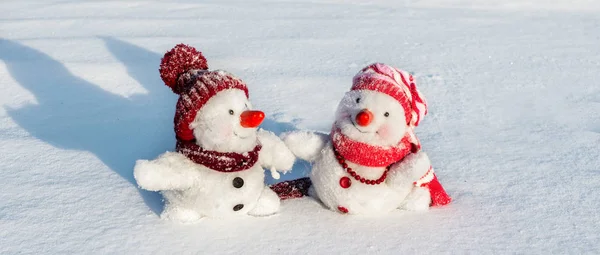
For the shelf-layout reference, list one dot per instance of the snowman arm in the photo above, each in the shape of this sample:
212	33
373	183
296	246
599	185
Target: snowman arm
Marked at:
306	145
170	171
274	153
408	171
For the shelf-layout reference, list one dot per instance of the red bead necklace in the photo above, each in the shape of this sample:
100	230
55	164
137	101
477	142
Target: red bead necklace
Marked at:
355	175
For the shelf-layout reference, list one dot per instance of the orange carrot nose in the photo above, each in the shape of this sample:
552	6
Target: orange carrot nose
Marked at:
251	119
364	118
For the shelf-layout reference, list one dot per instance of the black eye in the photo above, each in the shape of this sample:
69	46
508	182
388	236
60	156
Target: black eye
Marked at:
358	100
230	112
386	114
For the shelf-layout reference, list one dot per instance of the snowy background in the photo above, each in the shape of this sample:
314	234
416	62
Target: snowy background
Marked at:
513	131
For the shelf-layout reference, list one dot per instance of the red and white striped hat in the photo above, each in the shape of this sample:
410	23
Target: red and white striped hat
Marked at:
184	70
398	84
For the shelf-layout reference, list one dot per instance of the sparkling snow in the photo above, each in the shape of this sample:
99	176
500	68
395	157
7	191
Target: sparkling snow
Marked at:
513	129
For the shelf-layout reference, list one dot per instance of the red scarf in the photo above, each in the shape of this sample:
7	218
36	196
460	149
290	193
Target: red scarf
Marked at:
218	161
370	155
379	156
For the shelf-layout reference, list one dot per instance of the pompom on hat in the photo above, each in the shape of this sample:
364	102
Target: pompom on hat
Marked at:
177	61
185	70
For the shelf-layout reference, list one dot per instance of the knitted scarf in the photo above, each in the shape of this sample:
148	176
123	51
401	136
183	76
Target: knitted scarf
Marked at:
218	161
370	155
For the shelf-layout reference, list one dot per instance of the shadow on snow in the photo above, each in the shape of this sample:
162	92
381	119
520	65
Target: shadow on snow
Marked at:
75	114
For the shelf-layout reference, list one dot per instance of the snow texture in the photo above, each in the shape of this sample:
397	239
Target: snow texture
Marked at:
513	123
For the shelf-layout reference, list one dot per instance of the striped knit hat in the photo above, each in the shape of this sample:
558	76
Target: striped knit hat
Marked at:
185	71
398	84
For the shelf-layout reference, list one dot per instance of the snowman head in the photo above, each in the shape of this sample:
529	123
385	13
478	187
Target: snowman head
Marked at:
226	123
213	109
382	107
371	117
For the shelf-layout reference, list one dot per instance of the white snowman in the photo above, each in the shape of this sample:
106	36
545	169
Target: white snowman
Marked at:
217	169
371	162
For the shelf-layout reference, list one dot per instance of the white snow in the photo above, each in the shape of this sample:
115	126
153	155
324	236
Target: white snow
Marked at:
513	129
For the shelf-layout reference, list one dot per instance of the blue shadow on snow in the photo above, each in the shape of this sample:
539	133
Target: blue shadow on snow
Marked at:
75	114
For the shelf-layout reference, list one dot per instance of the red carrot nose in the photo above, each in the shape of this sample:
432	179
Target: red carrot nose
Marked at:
364	118
251	119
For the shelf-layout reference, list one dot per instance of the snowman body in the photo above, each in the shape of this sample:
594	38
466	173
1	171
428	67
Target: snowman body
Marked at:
219	194
330	182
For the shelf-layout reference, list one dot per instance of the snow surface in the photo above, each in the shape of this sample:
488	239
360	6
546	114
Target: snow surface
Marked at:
513	129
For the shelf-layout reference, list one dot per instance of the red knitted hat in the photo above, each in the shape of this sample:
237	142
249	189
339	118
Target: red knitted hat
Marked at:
185	71
396	83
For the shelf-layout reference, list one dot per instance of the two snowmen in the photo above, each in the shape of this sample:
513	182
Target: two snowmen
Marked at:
371	161
217	169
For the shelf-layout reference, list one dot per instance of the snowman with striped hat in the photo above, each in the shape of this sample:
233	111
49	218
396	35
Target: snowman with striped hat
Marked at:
371	162
217	168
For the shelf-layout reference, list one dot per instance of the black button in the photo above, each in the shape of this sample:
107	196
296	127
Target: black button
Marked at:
238	182
238	207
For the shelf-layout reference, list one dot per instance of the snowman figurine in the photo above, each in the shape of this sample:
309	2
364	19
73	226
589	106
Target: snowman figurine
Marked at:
371	163
217	168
